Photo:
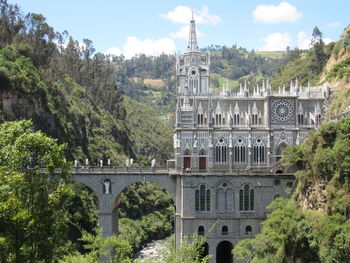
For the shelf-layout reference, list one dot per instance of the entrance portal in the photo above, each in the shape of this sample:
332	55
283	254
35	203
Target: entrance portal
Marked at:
223	252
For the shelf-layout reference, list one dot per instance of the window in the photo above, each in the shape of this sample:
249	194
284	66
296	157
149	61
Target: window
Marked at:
224	230
236	119
254	119
201	231
218	119
277	182
197	200
300	119
193	82
246	199
248	230
239	151
259	151
202	199
200	118
318	118
221	151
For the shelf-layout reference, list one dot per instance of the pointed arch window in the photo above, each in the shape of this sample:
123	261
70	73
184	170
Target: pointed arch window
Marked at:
202	198
259	151
254	119
246	198
221	151
193	82
236	119
300	119
200	118
239	151
218	119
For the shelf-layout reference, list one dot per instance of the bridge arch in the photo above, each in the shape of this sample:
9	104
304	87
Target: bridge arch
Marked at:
107	183
166	182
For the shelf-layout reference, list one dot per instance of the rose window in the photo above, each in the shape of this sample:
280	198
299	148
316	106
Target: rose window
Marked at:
282	110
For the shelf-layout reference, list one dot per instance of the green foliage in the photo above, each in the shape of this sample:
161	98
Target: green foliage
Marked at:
190	251
33	217
286	234
343	44
297	67
112	249
305	66
18	72
146	213
340	70
141	119
318	54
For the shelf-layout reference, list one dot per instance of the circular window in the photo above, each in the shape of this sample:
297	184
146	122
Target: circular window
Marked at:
282	110
277	182
193	72
224	184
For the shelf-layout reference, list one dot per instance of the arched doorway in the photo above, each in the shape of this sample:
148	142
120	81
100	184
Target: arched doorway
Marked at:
187	160
223	252
202	160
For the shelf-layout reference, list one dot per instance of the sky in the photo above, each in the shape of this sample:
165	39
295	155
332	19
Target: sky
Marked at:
153	27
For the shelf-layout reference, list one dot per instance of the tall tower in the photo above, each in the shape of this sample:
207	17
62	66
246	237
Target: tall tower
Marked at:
192	69
192	82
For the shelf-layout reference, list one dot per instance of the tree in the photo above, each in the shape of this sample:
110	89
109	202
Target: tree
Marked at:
319	57
112	248
33	194
190	251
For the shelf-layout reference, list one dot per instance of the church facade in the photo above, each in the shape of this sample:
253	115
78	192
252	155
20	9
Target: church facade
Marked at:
228	147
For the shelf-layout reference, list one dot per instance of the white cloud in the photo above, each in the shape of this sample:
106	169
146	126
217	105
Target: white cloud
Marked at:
334	24
114	51
151	47
276	42
304	41
271	14
183	14
184	32
327	40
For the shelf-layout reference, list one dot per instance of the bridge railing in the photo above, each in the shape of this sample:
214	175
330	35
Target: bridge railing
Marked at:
118	169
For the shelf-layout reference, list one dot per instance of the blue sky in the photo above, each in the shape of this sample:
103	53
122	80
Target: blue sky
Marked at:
153	26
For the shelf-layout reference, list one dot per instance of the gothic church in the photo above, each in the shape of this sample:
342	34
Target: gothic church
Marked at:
228	147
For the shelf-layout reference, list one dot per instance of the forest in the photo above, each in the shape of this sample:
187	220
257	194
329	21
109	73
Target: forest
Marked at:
60	102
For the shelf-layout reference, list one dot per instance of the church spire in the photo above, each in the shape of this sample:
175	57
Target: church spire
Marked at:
192	39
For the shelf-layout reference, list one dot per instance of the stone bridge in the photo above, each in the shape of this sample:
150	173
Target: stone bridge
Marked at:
108	182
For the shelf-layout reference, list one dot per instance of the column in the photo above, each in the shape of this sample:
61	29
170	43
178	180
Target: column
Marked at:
109	223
